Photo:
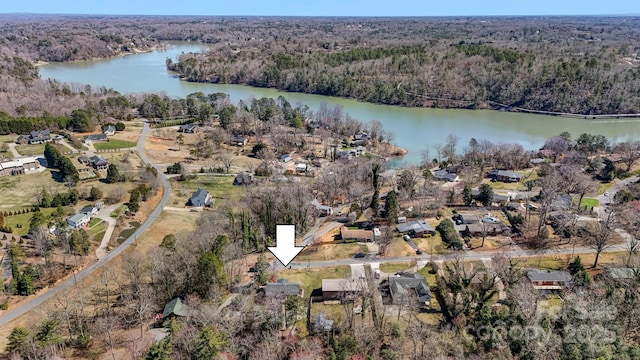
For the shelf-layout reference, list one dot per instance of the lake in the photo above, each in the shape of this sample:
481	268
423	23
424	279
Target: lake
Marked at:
414	129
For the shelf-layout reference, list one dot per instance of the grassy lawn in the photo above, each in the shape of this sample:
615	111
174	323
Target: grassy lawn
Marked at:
23	220
399	247
114	144
117	212
18	192
558	262
94	221
603	187
124	234
310	279
589	203
431	278
97	229
331	251
392	268
220	187
431	244
552	305
6	155
27	150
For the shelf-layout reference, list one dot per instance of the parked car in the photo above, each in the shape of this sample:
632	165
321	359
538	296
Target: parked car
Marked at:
360	255
406	237
418	252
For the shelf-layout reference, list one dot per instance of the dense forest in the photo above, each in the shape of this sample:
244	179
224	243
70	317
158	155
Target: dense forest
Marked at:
585	65
573	65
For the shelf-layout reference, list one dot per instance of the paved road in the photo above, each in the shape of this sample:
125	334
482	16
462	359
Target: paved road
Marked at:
33	303
606	200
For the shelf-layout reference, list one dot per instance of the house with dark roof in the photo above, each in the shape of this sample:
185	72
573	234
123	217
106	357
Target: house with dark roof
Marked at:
98	162
408	287
243	178
282	288
484	229
200	198
505	176
238	141
84	160
417	228
175	307
23	139
39	137
189	128
548	280
89	210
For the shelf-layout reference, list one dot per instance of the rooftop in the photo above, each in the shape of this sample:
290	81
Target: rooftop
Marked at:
548	275
417	226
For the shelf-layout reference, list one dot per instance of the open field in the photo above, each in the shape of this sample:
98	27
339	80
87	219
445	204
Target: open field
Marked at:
220	187
331	251
310	279
179	223
114	144
28	150
22	190
20	223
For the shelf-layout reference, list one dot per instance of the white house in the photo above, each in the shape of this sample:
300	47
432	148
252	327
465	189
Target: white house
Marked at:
78	220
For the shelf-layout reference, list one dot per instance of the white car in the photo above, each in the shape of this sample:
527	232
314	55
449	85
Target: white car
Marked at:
606	194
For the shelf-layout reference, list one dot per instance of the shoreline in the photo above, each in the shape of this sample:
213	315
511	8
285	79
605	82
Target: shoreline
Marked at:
486	105
496	107
135	51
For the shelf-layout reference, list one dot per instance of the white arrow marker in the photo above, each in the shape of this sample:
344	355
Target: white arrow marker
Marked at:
285	249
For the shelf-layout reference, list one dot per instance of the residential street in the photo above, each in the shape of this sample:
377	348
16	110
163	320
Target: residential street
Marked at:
52	292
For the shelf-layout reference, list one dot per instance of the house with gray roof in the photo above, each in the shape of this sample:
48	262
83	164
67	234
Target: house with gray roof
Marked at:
623	273
549	279
200	198
444	175
282	288
109	130
175	307
408	287
78	220
415	228
95	138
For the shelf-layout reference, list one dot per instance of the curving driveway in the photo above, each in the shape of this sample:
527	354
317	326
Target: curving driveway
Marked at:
9	316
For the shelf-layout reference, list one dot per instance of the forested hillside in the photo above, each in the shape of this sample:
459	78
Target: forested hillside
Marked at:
585	65
574	65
